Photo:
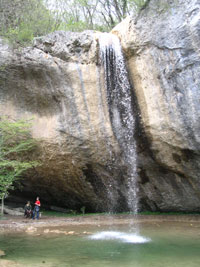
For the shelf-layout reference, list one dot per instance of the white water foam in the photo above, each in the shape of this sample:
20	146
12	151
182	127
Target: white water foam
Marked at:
124	237
122	110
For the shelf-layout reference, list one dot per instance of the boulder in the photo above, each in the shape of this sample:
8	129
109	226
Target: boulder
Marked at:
31	230
13	211
2	253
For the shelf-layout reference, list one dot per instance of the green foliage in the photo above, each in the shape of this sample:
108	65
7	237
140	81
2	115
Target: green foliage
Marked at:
74	26
72	213
21	35
15	142
140	4
146	213
83	210
101	15
23	20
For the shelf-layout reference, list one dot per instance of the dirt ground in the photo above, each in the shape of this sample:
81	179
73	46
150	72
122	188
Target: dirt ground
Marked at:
18	223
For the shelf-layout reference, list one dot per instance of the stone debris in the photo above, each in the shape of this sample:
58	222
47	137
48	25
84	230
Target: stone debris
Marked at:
87	233
2	253
56	231
31	229
71	232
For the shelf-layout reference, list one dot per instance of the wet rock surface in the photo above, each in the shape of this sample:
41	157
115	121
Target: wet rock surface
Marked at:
162	50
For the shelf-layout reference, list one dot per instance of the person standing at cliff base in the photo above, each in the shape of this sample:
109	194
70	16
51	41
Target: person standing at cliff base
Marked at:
36	208
28	210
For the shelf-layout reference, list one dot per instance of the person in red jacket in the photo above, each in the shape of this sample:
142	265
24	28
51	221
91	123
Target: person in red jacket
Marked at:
37	208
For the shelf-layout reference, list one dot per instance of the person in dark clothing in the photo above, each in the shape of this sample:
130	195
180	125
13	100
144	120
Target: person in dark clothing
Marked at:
28	210
36	208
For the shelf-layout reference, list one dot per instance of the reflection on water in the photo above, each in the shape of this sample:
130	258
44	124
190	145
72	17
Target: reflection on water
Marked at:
123	237
171	245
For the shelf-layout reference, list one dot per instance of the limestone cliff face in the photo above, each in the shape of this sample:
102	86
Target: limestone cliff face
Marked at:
163	56
59	83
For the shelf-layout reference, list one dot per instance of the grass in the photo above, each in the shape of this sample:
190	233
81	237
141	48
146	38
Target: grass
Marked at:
61	214
168	213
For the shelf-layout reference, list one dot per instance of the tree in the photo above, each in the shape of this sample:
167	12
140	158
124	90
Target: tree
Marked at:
15	143
21	20
78	15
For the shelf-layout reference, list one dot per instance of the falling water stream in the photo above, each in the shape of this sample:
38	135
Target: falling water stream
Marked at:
121	112
120	103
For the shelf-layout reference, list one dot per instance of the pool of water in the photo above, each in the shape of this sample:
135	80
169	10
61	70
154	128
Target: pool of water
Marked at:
157	245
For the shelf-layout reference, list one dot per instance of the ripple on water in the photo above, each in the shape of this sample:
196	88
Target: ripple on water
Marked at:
124	237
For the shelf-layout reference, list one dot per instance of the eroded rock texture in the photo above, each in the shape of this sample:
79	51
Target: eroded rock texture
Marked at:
59	83
163	56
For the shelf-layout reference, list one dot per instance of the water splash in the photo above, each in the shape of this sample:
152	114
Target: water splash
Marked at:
124	237
120	102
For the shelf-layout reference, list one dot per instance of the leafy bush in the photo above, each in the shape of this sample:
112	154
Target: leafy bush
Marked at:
15	142
23	20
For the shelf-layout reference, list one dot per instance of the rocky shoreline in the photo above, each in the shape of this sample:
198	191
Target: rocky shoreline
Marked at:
20	224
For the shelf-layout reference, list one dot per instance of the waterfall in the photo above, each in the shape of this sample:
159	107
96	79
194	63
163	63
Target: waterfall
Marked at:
119	97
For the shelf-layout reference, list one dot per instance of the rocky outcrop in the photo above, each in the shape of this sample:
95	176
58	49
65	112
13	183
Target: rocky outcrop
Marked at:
59	84
162	49
14	211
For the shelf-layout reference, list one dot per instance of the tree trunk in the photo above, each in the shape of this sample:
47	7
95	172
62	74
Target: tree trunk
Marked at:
2	205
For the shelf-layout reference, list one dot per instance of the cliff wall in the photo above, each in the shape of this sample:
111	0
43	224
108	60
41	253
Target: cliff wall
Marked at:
162	49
